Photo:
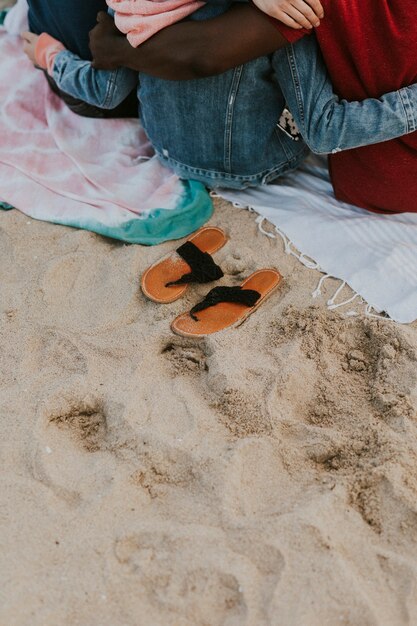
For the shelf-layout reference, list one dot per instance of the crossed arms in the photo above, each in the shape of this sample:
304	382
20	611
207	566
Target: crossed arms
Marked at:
189	50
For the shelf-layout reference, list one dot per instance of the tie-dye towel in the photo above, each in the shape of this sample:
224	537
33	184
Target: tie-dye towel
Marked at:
99	175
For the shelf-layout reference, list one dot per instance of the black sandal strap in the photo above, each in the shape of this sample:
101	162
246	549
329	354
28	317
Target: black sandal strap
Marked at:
203	268
248	297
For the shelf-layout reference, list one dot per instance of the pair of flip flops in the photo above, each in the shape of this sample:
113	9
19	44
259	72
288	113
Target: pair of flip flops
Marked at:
223	307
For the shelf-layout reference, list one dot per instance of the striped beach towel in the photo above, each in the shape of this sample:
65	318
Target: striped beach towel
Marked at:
373	254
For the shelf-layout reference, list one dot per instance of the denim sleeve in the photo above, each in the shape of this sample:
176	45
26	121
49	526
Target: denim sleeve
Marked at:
328	124
105	89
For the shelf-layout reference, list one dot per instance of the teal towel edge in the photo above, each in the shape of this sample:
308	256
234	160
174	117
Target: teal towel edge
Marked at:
194	210
3	14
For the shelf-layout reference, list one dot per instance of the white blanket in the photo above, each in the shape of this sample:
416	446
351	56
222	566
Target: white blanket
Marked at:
17	19
376	255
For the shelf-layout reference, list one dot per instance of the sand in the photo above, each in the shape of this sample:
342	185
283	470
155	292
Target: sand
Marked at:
265	476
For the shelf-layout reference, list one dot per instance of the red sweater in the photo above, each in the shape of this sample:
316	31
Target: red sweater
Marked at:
370	48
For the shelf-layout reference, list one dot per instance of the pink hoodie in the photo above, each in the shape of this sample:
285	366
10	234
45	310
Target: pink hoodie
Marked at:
141	19
138	19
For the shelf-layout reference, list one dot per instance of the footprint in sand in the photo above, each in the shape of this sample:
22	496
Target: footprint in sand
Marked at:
388	506
319	390
84	420
244	415
182	578
185	358
393	375
269	563
190	573
238	389
55	351
161	468
351	369
89	293
71	456
269	489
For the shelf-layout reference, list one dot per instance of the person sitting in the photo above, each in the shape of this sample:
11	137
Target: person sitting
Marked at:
366	51
241	106
70	22
70	72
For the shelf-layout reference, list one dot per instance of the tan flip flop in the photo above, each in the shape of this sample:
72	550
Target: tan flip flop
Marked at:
227	307
167	280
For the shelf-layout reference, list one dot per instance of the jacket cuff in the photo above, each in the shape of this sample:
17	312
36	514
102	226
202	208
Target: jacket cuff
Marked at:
45	52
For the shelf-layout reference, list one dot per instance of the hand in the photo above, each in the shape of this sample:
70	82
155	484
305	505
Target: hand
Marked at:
29	46
107	43
293	13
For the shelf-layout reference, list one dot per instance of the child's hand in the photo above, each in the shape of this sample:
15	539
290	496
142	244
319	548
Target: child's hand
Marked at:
293	13
29	45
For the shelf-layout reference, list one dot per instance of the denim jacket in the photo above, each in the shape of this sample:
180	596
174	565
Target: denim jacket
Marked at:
105	89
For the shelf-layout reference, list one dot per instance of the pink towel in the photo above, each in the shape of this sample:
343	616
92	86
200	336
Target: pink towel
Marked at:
141	19
96	174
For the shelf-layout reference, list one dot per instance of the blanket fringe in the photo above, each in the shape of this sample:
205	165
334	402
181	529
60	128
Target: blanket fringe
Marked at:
313	265
290	249
288	245
332	302
317	292
368	313
310	264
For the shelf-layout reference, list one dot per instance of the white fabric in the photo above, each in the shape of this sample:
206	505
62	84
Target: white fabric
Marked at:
17	18
376	255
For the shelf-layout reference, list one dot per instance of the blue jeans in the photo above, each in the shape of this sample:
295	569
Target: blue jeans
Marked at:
221	130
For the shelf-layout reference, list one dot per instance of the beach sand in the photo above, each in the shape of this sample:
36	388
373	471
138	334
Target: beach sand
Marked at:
265	476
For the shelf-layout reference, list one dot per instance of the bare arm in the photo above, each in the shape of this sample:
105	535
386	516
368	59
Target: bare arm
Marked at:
192	49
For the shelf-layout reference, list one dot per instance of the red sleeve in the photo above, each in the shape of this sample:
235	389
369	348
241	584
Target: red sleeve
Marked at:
290	34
